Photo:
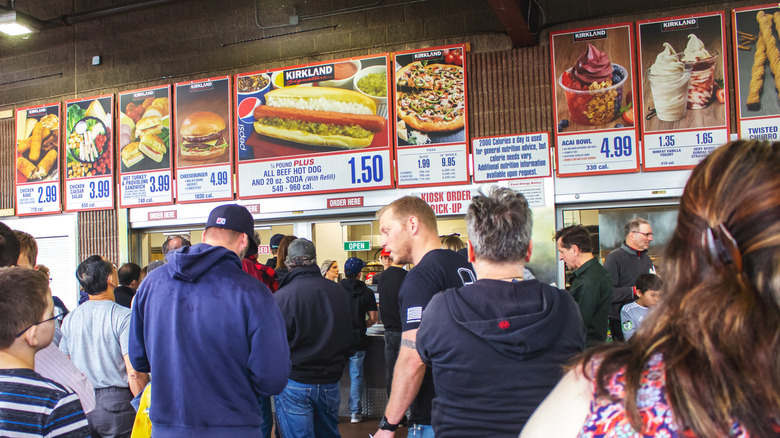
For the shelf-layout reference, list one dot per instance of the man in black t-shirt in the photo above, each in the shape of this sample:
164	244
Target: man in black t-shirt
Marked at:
388	289
409	232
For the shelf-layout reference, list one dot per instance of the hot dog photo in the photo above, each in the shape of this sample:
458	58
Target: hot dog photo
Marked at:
202	116
144	129
340	105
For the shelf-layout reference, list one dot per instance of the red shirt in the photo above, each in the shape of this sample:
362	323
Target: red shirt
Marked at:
261	272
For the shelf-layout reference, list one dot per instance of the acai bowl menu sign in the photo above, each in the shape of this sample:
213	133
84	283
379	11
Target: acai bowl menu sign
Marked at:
315	128
594	100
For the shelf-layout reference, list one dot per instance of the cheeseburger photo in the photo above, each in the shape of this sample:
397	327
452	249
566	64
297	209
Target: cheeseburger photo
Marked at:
319	116
202	136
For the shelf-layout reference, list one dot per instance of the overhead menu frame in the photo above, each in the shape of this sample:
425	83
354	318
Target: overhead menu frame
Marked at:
37	153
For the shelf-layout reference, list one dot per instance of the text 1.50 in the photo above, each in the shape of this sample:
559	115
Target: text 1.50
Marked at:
370	169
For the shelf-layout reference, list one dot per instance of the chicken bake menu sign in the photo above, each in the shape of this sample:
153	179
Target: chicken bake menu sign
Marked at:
89	153
203	157
144	144
37	160
594	100
431	112
757	69
685	104
314	128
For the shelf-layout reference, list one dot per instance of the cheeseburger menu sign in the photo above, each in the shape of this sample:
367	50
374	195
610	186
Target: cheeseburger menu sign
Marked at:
203	157
315	128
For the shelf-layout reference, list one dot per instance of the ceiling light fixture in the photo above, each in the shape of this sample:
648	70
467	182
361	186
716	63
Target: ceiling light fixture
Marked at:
16	23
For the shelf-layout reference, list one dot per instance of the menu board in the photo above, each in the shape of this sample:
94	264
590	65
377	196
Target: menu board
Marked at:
316	128
144	144
757	71
684	89
431	116
89	153
37	159
204	160
593	73
512	157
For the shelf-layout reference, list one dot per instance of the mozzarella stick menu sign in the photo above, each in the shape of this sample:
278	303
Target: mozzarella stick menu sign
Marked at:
757	68
37	160
431	117
594	101
144	139
89	157
315	128
684	83
204	162
511	157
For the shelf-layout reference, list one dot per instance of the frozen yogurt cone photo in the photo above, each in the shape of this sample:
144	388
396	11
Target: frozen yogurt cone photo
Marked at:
702	65
669	79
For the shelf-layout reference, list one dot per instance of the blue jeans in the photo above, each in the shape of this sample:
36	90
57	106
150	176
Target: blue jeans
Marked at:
308	410
420	431
268	417
356	381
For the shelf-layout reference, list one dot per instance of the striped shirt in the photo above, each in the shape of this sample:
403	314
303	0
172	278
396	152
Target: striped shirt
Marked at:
33	406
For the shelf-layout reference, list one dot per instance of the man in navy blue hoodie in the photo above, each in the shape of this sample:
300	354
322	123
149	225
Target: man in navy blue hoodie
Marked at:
211	335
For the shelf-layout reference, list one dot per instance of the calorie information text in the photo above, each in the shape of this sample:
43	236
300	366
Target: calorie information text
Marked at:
599	152
511	157
433	165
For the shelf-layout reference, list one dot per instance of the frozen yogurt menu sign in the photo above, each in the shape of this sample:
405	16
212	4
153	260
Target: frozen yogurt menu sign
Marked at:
144	140
89	153
431	117
204	162
316	128
37	160
594	101
511	157
757	68
684	89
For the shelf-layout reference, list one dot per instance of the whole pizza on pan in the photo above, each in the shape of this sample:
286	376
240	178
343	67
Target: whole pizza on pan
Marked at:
431	97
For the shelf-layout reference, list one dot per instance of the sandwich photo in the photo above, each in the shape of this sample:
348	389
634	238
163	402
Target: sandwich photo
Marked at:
131	154
153	147
202	136
319	116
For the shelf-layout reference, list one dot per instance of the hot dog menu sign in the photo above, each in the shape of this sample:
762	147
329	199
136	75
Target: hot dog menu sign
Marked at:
143	140
203	154
431	117
37	160
314	129
89	153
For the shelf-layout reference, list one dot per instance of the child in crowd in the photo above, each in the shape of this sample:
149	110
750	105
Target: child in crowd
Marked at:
648	291
31	405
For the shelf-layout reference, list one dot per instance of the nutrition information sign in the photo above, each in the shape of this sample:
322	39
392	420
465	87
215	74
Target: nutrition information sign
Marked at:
757	71
144	147
89	153
684	79
314	128
203	155
594	100
37	160
431	120
515	156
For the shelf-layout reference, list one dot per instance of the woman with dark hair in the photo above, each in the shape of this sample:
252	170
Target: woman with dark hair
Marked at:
706	362
281	268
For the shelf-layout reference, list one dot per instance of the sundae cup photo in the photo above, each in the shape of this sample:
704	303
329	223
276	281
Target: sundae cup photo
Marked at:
701	63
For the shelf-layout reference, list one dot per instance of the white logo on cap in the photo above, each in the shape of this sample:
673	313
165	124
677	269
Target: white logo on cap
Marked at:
221	221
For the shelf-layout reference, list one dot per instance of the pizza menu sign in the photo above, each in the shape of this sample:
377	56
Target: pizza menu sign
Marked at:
431	117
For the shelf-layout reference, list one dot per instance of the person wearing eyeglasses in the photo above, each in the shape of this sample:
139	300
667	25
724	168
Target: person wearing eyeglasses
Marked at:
30	404
95	335
625	264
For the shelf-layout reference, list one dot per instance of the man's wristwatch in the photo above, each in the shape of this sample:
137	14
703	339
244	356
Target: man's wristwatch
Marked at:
385	425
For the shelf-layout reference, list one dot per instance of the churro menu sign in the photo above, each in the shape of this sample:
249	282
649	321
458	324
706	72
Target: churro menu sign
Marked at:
144	140
757	71
37	160
316	128
512	157
89	153
204	161
594	100
684	89
431	124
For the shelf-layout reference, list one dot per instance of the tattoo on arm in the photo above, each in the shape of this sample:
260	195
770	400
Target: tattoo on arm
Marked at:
408	343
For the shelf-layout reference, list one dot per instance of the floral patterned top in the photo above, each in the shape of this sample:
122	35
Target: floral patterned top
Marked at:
609	419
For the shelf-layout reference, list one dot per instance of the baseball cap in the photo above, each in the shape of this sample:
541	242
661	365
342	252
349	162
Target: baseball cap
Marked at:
301	248
384	253
232	217
276	239
353	265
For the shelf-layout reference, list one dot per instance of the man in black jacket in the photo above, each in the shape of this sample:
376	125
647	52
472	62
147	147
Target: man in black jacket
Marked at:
322	335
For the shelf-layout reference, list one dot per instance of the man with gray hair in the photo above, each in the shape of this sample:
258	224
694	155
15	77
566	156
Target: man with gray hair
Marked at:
322	335
497	346
172	243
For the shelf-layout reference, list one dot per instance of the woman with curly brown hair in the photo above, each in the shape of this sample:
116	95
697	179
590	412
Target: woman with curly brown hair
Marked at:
706	362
